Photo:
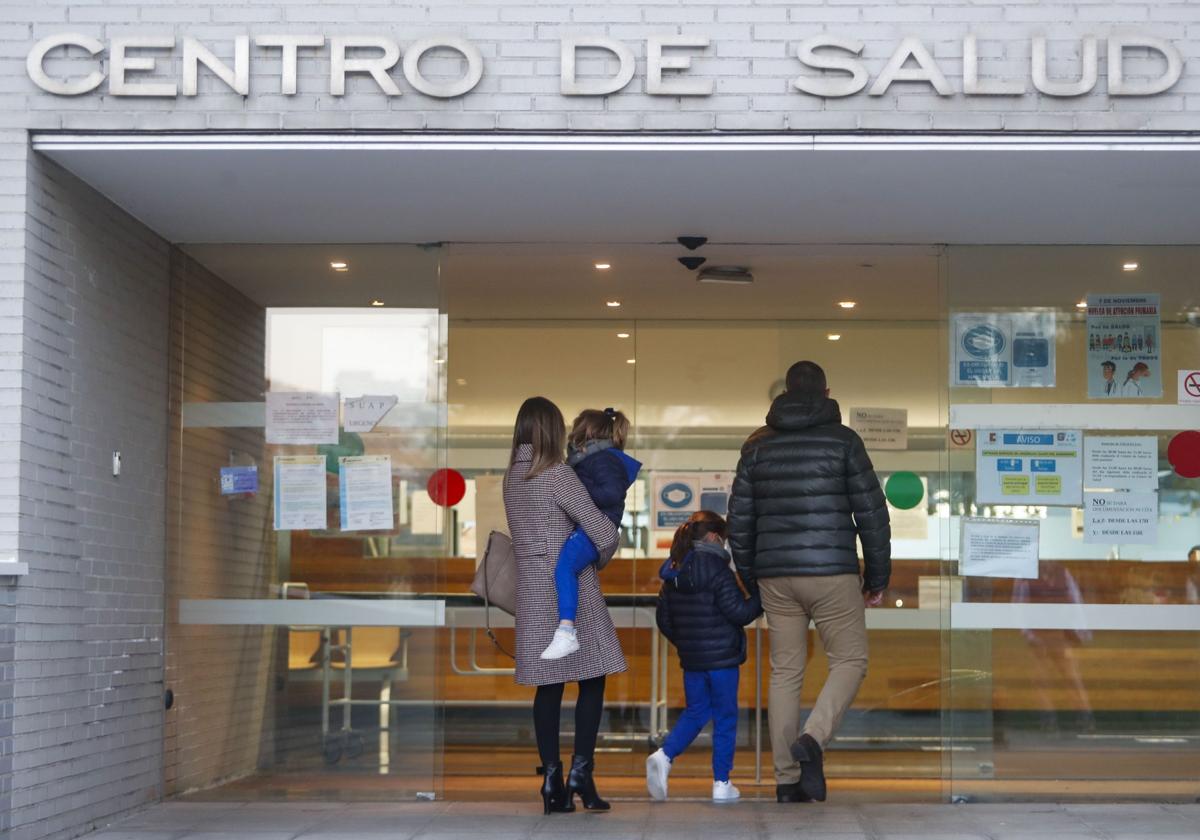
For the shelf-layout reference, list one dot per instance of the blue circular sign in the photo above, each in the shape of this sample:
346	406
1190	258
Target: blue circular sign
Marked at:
676	495
983	341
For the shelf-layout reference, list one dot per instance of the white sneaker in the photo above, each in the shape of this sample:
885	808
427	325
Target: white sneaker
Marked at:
563	644
725	792
658	768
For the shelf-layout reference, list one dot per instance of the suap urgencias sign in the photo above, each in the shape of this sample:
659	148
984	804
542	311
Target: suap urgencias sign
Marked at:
834	66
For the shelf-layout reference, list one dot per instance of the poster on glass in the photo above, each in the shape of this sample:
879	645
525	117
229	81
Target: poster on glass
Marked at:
1124	347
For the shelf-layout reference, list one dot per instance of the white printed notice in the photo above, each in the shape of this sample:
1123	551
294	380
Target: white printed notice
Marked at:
365	493
362	414
1120	518
881	428
1128	462
1001	548
1029	468
300	492
301	417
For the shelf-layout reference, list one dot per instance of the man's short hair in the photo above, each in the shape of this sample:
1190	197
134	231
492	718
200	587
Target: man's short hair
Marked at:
1112	365
806	378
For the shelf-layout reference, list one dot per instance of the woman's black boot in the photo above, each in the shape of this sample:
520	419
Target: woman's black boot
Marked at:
555	798
580	781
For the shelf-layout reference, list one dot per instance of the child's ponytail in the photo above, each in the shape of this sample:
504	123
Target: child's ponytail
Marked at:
699	525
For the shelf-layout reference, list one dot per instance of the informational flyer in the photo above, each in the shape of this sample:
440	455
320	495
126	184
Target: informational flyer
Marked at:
676	496
881	428
1002	548
1120	518
239	481
365	493
1003	350
301	417
1016	467
300	493
362	414
1124	343
1125	462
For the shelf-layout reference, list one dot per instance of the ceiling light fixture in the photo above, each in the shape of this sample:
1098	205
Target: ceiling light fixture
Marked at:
460	382
377	302
1081	305
834	337
338	265
622	335
631	361
603	266
613	304
847	304
1130	266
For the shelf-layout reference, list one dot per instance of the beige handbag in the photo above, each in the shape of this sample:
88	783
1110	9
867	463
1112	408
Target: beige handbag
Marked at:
496	581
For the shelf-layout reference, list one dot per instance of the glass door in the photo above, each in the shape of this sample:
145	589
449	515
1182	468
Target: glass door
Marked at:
310	513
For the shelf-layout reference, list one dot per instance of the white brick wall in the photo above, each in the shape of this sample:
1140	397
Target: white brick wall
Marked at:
753	50
86	670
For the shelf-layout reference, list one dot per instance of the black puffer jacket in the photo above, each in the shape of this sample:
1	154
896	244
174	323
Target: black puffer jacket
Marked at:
804	490
702	611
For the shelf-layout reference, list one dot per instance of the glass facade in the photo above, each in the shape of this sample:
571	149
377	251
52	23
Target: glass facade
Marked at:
982	683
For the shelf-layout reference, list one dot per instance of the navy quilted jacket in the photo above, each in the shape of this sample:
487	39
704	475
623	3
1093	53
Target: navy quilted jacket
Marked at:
607	474
702	610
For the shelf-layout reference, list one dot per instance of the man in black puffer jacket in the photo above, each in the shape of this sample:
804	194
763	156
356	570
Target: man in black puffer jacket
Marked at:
805	491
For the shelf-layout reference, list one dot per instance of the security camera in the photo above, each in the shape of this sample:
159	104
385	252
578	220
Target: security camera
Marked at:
692	263
691	242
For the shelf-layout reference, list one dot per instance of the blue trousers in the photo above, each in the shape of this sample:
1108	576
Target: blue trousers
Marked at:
711	695
577	554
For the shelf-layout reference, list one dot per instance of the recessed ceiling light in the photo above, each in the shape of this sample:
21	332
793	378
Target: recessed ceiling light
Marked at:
603	266
1130	266
1081	305
613	303
622	335
631	361
338	265
460	382
377	302
834	337
439	361
847	304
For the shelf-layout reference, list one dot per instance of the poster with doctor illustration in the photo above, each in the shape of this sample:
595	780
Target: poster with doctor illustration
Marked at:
1124	346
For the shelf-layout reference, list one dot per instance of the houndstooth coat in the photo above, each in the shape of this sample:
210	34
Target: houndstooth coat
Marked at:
542	513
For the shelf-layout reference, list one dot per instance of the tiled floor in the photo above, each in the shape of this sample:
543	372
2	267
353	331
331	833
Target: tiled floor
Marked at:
631	820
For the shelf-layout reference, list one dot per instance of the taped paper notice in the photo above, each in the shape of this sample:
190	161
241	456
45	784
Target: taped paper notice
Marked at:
365	492
1002	548
881	428
300	493
301	417
1120	518
1127	462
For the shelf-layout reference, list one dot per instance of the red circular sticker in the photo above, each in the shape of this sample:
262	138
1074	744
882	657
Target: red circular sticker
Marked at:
1183	453
447	487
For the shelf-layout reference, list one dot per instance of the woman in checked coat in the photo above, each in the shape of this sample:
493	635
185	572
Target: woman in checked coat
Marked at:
545	500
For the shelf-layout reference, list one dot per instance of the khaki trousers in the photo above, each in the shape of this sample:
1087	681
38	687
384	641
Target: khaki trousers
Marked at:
835	605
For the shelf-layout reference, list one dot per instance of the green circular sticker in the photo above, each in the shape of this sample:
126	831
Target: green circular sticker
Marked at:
904	490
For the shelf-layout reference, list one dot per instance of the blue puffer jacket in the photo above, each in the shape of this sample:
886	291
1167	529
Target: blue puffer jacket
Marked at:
606	473
702	611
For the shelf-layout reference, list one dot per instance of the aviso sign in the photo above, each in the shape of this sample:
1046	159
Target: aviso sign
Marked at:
834	66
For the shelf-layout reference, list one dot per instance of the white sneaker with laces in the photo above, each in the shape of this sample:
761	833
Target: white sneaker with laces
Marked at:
563	644
658	768
725	792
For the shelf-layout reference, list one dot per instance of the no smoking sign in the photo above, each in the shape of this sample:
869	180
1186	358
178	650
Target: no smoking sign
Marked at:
1189	387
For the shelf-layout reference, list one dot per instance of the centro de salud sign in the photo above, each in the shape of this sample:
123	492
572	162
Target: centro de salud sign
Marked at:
133	65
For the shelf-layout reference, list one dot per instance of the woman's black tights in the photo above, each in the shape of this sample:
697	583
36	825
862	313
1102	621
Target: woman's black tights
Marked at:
547	710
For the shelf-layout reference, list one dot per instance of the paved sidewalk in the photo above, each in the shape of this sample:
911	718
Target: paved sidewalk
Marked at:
641	820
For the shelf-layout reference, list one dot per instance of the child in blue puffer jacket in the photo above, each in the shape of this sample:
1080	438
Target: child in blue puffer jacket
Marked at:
702	611
595	451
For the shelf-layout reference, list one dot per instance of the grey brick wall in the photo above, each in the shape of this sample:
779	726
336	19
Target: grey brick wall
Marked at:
751	60
87	655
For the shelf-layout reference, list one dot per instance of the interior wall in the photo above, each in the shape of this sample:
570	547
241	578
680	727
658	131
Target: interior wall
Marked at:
88	641
220	726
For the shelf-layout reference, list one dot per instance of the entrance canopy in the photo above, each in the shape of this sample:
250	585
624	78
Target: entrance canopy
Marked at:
905	189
